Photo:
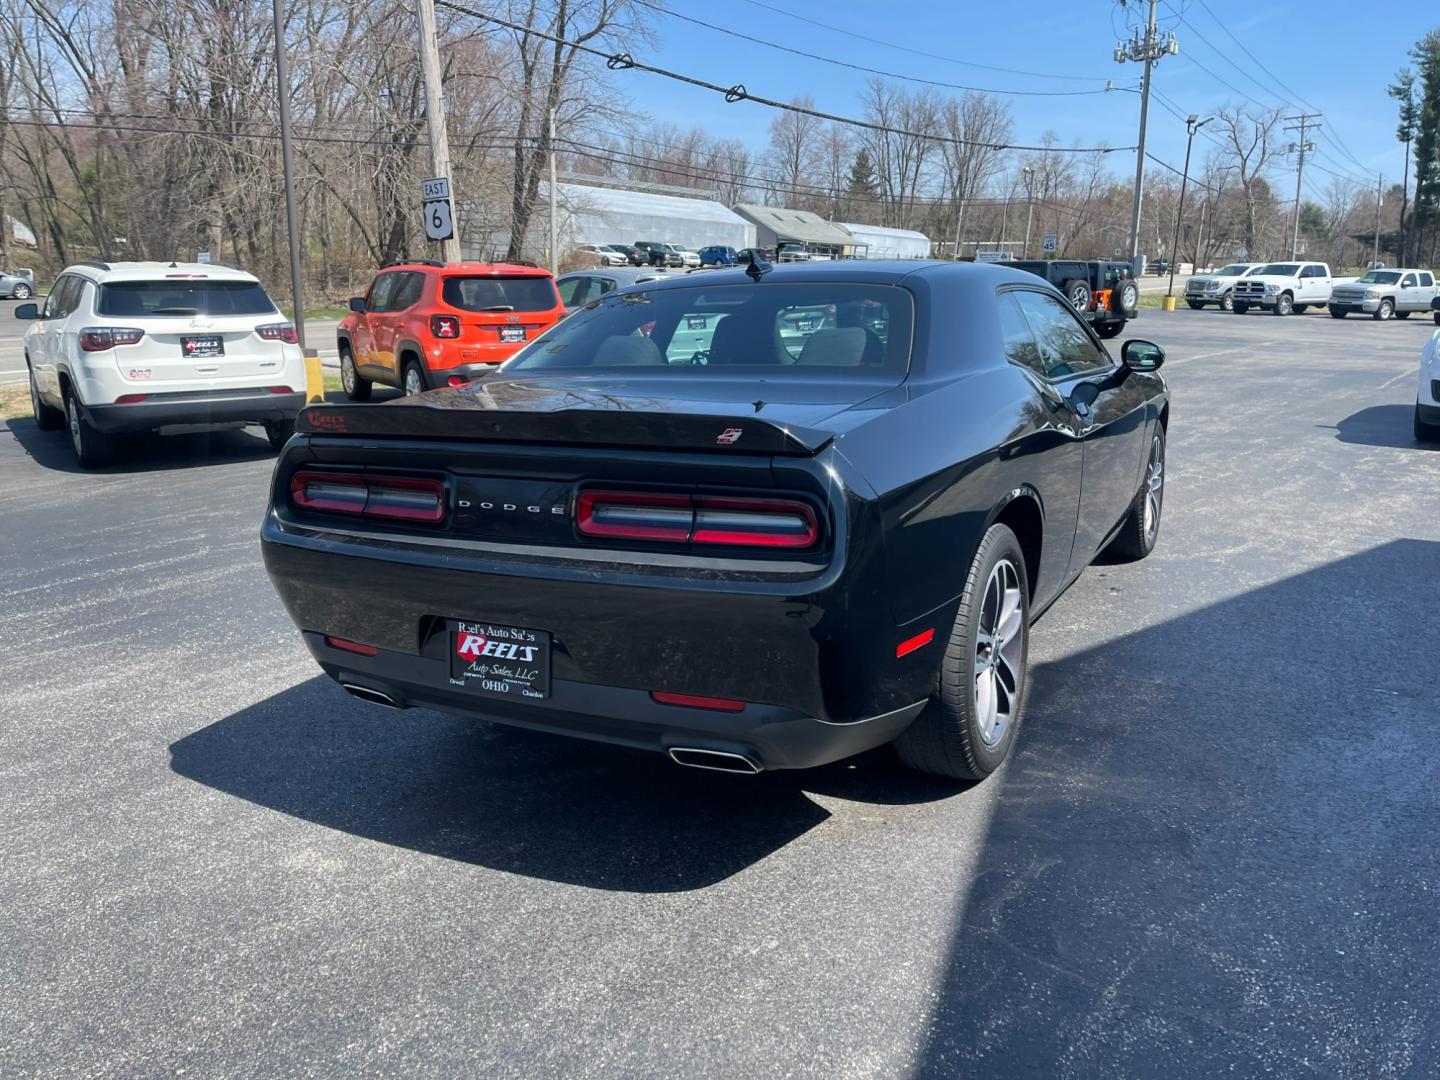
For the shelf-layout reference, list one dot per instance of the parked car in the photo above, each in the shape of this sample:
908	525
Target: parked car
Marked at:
582	286
602	255
691	259
1383	293
1427	399
1103	292
1218	287
132	347
16	286
632	254
790	251
659	254
423	324
1284	288
611	540
718	255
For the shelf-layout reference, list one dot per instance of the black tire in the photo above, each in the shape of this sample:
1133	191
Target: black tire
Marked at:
1129	299
1239	308
92	448
1077	291
278	432
1384	311
47	417
947	738
1195	305
1428	433
1300	309
22	292
1284	304
412	378
1437	318
1108	330
1137	536
356	388
1338	313
1402	314
1227	302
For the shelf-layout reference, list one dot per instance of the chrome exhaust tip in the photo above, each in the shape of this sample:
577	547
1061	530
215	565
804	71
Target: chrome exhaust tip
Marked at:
375	697
714	760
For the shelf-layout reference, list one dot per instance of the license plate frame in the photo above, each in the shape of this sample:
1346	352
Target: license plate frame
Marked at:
202	346
499	660
512	335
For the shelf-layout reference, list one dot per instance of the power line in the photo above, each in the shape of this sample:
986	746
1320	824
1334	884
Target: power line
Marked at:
869	70
871	40
623	61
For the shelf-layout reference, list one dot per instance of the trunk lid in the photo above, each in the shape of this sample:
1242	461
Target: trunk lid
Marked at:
179	353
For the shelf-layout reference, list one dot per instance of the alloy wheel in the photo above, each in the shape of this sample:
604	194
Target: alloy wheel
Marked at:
999	653
22	292
412	382
347	373
1154	488
72	417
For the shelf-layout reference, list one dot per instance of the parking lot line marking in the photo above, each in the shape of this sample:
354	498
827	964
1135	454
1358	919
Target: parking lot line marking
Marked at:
1403	375
1221	352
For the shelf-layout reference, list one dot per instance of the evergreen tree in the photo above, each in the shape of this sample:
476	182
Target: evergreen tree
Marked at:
1403	91
1426	55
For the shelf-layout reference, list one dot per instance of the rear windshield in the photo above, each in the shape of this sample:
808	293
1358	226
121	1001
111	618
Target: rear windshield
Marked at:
857	328
1379	277
180	297
500	293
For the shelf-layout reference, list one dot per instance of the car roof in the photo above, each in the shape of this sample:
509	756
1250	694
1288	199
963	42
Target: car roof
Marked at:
864	271
620	273
148	271
470	268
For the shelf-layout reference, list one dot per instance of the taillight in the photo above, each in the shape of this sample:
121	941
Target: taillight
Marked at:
399	498
699	519
445	326
457	380
100	338
280	331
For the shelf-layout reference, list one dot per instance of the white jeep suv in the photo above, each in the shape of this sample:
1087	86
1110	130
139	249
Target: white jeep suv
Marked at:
149	346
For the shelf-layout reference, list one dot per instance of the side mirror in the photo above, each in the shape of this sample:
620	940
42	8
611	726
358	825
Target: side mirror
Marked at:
1140	355
27	311
357	303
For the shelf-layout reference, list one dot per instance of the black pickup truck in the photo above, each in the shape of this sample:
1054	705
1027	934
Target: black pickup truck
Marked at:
1103	291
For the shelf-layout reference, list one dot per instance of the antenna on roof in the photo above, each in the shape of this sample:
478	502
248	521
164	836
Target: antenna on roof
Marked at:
757	268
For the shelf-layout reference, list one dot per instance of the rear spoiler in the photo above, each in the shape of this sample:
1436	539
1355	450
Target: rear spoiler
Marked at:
687	432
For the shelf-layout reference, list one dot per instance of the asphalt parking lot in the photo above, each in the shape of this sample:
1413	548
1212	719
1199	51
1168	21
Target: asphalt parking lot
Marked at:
1214	851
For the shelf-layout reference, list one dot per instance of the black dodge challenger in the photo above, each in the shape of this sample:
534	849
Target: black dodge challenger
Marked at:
756	519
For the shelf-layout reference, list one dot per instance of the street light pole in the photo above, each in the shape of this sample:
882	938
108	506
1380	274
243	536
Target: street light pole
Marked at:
1193	123
292	221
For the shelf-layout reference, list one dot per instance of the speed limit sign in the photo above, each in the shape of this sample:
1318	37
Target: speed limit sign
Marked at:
439	222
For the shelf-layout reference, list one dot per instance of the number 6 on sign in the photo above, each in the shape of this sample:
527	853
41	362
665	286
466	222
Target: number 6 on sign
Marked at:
439	225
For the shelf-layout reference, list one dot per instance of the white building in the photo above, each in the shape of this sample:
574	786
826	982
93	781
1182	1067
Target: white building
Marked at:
878	242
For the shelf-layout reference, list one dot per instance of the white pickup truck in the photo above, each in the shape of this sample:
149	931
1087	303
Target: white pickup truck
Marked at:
1218	287
1382	293
1284	288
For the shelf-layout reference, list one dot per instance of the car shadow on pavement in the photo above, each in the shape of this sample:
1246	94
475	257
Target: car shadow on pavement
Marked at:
1214	850
523	802
145	453
1380	425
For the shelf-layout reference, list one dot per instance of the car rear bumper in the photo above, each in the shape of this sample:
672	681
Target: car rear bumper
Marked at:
196	407
1429	414
769	736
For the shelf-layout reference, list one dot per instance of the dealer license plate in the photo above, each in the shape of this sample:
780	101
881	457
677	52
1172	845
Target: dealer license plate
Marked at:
197	348
509	334
499	660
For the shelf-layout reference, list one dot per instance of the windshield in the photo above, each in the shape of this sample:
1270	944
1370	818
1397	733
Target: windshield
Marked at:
1233	270
183	297
1379	277
500	293
733	328
1279	269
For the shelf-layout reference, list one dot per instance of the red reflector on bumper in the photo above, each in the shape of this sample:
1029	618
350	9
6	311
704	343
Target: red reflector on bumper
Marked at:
129	399
694	701
919	641
351	646
458	380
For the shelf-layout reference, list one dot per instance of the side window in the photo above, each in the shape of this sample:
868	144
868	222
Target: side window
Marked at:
600	286
381	291
1020	347
1409	282
58	303
1314	271
1065	347
1426	280
572	291
406	292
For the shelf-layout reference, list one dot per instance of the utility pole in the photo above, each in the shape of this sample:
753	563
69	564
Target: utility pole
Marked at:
1380	202
1145	50
1029	208
292	220
554	231
1304	123
1192	124
435	117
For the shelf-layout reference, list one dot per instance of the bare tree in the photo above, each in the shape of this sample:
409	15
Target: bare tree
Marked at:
1249	136
794	156
980	125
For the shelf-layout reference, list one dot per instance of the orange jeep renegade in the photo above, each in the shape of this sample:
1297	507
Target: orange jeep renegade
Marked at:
425	324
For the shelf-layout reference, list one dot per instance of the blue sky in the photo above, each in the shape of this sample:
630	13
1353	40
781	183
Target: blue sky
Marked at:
1339	63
